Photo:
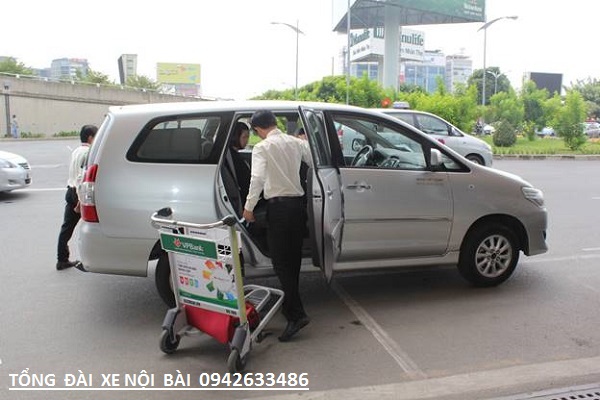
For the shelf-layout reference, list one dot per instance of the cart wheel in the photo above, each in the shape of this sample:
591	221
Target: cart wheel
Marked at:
167	345
234	362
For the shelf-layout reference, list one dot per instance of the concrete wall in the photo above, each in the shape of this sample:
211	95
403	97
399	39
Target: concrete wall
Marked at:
51	107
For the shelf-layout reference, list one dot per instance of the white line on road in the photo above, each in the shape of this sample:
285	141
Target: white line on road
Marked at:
43	190
399	355
45	166
591	249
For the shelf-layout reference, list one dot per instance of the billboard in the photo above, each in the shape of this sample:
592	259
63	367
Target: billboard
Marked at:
369	45
549	81
178	73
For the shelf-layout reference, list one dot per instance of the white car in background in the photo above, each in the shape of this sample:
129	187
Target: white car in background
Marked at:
473	149
15	172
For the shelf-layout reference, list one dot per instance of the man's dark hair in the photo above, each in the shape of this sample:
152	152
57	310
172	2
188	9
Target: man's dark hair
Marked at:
263	119
86	132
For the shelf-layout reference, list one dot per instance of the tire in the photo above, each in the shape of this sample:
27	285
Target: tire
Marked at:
167	345
475	158
162	280
489	255
234	362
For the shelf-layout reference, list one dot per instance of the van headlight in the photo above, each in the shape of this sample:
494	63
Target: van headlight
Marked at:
534	195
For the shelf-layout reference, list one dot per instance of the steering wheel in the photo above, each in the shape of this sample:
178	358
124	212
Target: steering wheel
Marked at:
363	156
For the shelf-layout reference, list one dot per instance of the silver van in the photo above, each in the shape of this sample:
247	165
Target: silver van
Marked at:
472	148
401	199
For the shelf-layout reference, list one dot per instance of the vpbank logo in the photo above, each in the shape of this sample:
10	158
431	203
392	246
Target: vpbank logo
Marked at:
177	242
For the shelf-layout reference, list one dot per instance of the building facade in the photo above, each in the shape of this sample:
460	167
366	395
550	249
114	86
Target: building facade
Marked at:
68	68
458	70
127	67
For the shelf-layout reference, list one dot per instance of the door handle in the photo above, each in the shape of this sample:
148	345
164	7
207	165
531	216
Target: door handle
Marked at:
359	186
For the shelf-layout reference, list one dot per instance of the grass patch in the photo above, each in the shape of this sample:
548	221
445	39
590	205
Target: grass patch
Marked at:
543	146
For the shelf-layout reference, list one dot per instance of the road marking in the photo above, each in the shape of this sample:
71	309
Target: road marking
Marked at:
591	249
393	349
46	166
541	260
595	198
43	190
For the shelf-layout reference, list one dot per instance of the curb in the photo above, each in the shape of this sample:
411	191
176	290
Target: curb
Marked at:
583	157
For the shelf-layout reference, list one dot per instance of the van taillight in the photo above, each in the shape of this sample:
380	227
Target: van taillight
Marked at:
88	200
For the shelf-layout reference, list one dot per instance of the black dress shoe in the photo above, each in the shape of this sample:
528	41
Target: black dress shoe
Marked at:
60	265
292	328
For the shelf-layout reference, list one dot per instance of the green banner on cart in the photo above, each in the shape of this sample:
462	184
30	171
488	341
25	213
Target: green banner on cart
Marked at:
188	245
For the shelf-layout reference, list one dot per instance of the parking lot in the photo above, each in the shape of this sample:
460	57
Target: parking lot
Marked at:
417	333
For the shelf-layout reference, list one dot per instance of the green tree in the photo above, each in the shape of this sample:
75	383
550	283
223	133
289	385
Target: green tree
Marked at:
493	85
505	106
533	104
93	76
11	66
142	82
570	120
590	92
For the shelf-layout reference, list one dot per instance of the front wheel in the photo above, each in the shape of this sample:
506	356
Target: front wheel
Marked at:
169	345
234	362
489	255
162	279
475	158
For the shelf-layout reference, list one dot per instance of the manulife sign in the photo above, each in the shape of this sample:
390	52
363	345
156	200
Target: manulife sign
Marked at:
368	44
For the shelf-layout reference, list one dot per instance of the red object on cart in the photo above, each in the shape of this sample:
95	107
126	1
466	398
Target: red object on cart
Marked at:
219	326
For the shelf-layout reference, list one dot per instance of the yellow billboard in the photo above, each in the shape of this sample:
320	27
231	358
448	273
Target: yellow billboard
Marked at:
178	73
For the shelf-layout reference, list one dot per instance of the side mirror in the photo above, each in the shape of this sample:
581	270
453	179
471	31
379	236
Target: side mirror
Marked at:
435	159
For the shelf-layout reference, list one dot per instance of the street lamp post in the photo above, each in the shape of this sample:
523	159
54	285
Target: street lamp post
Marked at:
484	28
7	107
496	75
298	32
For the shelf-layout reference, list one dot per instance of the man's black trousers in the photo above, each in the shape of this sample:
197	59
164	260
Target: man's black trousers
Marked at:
286	220
70	220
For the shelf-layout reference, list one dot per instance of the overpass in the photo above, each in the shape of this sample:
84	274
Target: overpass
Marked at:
49	107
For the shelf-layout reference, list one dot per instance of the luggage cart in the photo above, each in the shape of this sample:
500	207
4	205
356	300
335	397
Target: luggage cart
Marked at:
210	296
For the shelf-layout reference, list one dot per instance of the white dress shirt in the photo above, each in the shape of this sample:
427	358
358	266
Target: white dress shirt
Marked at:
276	167
77	164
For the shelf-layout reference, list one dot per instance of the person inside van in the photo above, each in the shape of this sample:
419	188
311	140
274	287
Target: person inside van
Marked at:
237	142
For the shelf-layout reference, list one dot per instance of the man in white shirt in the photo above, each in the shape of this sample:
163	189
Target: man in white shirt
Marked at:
71	215
276	162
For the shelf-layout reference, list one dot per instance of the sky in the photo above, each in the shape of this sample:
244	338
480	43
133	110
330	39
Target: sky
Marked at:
242	54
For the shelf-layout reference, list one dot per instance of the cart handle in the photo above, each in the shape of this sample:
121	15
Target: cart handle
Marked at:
164	216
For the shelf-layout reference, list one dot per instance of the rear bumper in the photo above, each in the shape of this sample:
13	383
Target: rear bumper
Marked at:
112	255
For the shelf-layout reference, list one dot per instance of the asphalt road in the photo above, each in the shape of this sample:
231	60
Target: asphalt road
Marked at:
421	333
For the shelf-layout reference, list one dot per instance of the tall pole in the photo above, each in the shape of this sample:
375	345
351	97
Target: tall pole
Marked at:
297	41
348	25
7	108
484	67
298	32
484	28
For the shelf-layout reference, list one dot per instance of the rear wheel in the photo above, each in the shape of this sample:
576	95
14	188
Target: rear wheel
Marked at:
162	279
489	255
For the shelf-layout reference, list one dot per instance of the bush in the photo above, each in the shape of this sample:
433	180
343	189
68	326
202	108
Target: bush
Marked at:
30	135
505	135
66	134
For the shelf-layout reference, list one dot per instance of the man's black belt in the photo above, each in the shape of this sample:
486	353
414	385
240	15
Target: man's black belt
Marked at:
282	199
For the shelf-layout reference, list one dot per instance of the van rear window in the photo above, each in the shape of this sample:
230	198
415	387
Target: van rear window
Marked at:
181	141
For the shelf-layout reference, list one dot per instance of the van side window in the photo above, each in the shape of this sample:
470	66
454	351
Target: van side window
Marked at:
182	141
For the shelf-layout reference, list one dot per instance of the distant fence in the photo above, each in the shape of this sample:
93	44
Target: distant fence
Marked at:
47	107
